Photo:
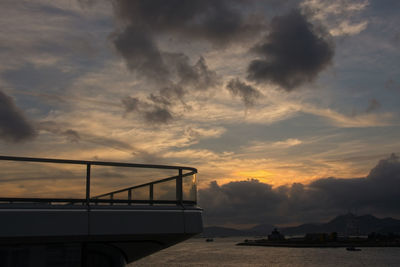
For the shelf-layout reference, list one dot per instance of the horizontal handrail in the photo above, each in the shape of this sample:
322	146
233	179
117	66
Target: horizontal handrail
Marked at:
100	163
45	200
94	201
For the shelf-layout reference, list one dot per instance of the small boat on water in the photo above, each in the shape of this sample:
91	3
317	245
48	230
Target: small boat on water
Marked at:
353	249
209	240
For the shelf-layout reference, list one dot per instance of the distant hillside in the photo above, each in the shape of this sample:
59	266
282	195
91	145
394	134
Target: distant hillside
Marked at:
258	230
342	224
215	231
348	223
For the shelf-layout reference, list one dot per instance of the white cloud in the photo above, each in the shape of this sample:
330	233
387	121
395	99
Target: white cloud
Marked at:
287	143
259	146
347	28
360	120
340	16
193	154
324	8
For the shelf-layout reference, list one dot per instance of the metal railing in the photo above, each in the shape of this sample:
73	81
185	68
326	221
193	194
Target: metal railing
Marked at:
108	198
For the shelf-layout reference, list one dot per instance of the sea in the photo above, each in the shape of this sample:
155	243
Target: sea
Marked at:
224	252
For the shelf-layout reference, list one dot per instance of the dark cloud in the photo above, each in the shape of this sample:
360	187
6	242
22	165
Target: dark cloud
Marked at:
130	104
160	99
168	95
247	93
373	105
239	202
294	52
142	22
141	53
172	92
155	112
189	78
74	136
377	192
158	115
216	21
195	77
201	78
252	201
174	69
55	128
14	126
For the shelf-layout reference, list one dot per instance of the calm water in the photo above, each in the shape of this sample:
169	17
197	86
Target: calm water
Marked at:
223	252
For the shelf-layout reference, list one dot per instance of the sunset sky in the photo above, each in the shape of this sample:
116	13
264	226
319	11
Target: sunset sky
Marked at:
255	93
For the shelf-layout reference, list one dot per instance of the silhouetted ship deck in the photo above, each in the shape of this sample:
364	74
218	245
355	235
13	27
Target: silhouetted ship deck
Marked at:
110	229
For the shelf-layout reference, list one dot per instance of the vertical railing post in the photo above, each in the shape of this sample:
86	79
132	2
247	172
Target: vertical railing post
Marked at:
111	198
151	194
130	196
179	193
87	185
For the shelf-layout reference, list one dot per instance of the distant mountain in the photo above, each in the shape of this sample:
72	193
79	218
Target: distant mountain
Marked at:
258	230
302	229
342	224
216	231
347	224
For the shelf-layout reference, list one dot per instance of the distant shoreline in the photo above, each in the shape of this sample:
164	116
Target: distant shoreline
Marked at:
265	243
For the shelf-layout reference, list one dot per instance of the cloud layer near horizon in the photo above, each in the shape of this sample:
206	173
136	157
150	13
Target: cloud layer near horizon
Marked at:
254	202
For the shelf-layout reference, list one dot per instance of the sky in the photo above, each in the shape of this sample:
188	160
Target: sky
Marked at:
288	109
